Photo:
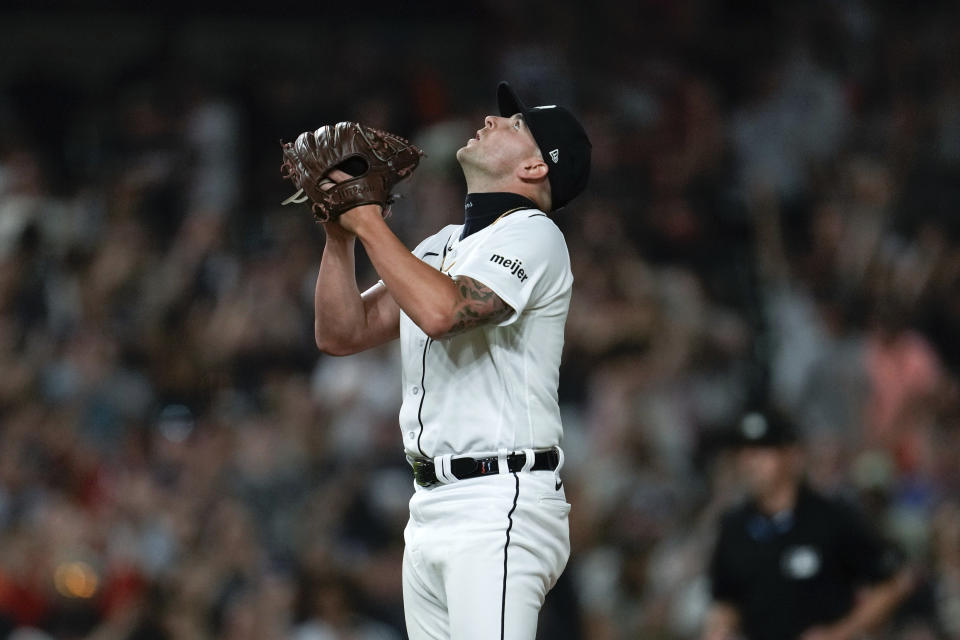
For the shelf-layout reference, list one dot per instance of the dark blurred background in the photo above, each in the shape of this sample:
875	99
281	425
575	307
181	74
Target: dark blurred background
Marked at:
773	213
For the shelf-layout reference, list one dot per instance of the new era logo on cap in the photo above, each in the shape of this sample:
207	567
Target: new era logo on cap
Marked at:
554	129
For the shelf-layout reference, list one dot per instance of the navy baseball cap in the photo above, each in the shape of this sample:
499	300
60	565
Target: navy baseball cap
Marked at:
562	141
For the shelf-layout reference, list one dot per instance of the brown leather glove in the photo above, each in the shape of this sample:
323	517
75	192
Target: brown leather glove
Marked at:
376	160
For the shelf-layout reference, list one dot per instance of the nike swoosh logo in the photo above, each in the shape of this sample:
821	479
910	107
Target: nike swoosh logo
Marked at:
559	484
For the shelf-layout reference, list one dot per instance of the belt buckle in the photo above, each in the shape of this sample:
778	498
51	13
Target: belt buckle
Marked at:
424	473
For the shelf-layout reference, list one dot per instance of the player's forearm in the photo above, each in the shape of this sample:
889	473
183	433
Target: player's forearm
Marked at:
338	308
875	605
425	294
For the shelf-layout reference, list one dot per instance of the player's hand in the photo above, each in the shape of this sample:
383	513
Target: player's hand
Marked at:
336	176
355	218
350	220
332	227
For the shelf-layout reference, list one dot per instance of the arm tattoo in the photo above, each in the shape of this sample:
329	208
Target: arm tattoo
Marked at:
478	305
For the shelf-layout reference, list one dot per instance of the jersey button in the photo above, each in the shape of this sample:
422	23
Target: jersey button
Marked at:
415	390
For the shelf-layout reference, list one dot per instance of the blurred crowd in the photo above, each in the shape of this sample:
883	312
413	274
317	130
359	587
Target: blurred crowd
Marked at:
772	214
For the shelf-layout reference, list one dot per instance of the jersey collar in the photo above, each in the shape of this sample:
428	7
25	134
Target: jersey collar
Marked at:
482	209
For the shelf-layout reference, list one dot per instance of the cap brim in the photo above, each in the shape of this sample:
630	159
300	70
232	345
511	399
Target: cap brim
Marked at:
508	102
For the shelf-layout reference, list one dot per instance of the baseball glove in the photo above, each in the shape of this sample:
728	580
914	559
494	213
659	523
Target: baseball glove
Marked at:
375	159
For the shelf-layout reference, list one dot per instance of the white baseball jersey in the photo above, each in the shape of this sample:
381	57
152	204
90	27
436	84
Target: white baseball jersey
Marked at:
493	387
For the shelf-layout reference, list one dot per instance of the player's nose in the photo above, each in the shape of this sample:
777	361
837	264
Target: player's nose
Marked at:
489	122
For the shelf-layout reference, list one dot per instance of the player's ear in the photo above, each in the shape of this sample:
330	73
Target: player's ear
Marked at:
533	169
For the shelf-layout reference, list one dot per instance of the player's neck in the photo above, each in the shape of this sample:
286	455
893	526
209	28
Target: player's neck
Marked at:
483	209
478	182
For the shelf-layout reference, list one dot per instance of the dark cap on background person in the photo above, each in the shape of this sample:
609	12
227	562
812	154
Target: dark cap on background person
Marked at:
763	428
562	140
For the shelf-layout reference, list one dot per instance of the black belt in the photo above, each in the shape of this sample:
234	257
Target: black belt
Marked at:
464	468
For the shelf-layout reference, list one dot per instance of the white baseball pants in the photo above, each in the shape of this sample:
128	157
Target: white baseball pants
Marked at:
481	555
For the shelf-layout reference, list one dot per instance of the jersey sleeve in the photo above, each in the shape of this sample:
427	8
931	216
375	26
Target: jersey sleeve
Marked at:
524	262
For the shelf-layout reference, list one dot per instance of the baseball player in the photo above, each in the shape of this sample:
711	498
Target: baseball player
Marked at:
479	309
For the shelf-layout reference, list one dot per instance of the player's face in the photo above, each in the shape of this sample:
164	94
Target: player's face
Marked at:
765	468
502	145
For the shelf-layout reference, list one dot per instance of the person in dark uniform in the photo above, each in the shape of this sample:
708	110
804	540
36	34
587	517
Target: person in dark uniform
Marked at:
790	563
